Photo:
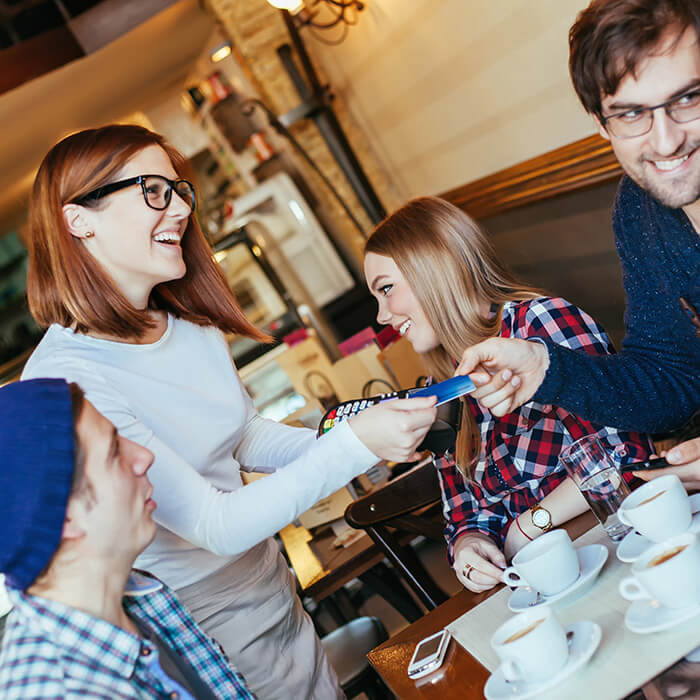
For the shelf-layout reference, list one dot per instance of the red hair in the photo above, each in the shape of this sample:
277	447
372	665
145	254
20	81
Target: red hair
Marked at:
66	285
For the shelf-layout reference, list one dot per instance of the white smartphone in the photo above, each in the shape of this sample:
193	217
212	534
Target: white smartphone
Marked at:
429	654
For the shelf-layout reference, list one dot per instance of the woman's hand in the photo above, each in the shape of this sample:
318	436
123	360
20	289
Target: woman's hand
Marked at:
507	372
686	460
479	563
393	429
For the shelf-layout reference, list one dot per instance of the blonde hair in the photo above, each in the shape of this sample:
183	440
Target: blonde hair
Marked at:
452	270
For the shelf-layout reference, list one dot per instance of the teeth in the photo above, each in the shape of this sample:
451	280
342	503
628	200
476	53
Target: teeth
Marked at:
670	164
166	237
403	329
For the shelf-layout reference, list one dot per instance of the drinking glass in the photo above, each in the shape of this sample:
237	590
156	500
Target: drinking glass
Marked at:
599	480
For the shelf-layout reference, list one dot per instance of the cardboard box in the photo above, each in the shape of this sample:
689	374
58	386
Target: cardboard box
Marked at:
327	509
353	372
310	371
403	363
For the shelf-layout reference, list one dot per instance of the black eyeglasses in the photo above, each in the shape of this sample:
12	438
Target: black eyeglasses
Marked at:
638	121
157	191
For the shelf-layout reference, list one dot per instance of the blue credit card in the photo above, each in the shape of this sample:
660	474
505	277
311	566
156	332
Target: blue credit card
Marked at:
447	390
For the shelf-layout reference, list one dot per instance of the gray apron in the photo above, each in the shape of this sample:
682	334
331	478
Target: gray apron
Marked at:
251	609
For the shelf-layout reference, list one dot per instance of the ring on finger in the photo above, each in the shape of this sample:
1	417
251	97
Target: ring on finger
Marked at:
467	570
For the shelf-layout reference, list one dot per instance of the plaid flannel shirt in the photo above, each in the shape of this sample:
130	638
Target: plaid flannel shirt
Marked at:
51	650
519	462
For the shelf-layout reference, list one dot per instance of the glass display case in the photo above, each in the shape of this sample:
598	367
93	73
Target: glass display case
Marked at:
282	268
282	224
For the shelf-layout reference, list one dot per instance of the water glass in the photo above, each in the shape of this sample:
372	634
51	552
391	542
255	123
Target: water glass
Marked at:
594	472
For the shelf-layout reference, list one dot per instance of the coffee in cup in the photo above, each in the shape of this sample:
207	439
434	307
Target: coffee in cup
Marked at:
531	645
548	564
659	509
652	498
668	572
666	556
526	630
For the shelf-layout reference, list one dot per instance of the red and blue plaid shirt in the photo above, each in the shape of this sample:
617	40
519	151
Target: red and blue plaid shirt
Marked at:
519	462
53	651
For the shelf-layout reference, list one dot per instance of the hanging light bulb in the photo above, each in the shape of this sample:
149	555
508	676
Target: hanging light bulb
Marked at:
292	6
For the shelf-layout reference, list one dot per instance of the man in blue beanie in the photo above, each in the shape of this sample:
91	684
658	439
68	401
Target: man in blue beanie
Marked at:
76	512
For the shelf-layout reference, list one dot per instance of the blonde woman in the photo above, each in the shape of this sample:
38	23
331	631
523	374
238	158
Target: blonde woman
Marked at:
437	281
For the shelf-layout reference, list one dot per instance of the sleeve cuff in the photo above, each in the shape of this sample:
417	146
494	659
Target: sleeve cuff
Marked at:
548	391
349	444
469	530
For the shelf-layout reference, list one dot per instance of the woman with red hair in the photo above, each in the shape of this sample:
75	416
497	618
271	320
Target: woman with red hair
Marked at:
136	311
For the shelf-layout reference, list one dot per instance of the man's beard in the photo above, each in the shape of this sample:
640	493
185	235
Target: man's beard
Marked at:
675	193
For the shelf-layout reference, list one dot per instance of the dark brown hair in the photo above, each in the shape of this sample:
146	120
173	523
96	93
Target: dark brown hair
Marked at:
452	270
77	400
611	37
66	285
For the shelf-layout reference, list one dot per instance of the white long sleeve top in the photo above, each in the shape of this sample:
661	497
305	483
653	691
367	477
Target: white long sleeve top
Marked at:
182	398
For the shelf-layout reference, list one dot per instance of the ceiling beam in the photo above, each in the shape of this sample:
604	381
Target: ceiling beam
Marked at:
36	56
110	19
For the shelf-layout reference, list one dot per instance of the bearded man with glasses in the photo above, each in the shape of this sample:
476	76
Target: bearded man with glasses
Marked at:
635	65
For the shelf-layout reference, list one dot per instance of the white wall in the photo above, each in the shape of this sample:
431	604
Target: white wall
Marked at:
451	90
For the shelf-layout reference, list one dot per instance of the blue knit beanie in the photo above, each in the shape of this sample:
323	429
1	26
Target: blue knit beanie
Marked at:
37	456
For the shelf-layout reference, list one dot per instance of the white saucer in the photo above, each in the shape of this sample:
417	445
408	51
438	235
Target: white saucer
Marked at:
586	638
645	616
633	544
590	558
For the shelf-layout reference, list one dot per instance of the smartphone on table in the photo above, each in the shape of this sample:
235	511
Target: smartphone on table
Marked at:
651	463
429	654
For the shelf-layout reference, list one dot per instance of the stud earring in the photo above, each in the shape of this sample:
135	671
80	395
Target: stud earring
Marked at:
89	234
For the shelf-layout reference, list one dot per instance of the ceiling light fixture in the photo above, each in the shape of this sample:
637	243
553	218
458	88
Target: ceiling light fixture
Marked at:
322	14
220	52
292	6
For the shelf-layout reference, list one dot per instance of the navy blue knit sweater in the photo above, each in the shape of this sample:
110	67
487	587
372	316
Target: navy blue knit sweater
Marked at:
653	384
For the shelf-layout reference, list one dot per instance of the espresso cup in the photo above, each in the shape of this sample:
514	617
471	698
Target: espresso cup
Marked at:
548	564
659	509
531	645
668	572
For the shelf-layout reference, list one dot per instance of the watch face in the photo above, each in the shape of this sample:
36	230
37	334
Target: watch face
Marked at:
541	517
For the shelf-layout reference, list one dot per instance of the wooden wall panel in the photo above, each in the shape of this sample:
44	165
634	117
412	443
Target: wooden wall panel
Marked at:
578	165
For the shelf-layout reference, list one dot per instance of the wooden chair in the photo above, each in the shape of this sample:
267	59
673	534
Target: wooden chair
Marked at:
410	504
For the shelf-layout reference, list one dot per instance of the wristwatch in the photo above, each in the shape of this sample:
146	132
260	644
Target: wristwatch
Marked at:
541	518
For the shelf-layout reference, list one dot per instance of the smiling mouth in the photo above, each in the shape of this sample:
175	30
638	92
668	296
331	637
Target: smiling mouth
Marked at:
403	328
671	164
167	238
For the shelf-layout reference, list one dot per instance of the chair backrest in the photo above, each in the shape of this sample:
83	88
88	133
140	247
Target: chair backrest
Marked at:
406	499
409	504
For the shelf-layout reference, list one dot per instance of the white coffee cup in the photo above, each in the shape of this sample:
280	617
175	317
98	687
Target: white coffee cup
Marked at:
531	645
548	564
668	572
659	509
